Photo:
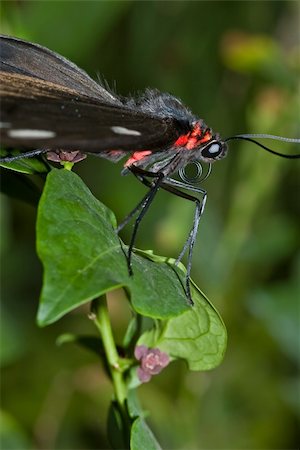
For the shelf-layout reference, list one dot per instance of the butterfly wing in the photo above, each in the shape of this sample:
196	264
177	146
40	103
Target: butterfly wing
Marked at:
47	101
34	61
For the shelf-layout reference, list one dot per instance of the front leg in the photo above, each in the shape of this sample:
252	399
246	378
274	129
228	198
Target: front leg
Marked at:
143	206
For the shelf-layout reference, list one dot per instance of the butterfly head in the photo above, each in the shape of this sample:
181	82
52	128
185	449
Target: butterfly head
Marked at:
202	143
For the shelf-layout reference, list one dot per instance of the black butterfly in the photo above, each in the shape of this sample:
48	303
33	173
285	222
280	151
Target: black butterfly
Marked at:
50	106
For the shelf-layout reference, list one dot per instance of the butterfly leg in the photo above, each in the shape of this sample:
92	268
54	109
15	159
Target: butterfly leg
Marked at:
172	186
8	159
143	207
168	185
137	208
200	205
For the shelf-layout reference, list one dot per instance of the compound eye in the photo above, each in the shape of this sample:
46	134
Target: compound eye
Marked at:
213	150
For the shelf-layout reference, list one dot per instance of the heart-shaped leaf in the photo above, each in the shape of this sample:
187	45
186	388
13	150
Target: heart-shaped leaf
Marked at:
198	335
83	257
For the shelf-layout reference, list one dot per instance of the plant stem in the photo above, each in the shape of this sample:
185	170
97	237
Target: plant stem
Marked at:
67	165
102	321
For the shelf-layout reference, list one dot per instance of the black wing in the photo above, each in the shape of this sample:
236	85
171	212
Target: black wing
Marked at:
47	101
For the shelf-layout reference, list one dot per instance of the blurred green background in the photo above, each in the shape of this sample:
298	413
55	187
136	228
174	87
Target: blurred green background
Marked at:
236	64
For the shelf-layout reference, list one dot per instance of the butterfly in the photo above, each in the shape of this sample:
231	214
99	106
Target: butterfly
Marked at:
50	106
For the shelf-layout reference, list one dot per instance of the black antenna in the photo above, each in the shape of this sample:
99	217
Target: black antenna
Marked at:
249	137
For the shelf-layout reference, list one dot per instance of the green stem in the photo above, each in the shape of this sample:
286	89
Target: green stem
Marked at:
67	165
102	321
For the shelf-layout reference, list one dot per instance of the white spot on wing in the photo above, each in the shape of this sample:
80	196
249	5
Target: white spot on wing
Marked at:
123	130
5	125
31	134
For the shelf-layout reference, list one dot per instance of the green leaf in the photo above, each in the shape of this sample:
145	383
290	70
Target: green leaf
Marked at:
116	431
131	332
157	287
133	404
83	258
142	437
198	335
27	165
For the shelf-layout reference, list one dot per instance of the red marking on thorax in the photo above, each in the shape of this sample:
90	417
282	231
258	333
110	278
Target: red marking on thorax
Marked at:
182	140
193	138
137	156
188	141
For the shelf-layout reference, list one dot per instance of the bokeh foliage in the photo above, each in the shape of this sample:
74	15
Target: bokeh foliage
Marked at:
236	64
